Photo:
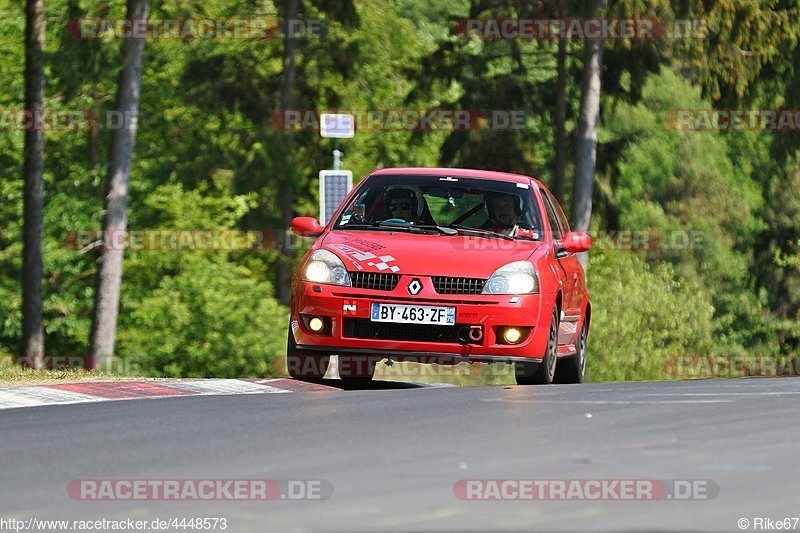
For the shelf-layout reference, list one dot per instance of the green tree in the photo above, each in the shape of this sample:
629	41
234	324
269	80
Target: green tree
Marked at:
701	209
642	316
779	254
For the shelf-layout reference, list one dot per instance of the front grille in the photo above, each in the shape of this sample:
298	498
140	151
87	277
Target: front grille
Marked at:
448	285
361	328
376	282
418	300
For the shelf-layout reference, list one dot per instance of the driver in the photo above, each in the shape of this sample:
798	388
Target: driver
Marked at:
504	211
402	203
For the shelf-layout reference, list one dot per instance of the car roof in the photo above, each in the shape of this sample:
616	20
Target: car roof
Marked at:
457	173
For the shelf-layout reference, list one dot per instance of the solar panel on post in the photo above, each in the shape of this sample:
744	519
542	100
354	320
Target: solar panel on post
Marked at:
333	187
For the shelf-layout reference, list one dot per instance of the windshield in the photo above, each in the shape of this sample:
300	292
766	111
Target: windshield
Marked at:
468	204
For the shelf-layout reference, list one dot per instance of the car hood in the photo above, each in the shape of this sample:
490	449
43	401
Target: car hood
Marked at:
424	254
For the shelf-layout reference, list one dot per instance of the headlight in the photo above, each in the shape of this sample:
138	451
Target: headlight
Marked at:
518	277
326	267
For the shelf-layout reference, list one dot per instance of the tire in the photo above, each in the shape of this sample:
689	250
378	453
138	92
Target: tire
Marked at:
541	373
573	368
304	364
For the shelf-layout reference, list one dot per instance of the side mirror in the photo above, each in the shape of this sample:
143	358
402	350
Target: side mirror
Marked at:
306	227
576	242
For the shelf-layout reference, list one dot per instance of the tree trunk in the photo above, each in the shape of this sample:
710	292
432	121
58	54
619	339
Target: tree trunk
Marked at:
586	145
33	174
287	180
560	119
115	220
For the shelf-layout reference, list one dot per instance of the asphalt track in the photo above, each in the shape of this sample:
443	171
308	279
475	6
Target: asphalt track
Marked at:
393	454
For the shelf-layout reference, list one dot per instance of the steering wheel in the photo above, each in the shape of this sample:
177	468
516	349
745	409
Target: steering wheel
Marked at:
396	220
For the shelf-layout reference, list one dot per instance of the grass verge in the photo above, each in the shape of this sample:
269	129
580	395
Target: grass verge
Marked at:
17	376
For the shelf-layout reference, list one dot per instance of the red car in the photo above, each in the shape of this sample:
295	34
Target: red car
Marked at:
438	265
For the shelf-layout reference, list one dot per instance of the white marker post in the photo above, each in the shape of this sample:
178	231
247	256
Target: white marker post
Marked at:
334	184
337	126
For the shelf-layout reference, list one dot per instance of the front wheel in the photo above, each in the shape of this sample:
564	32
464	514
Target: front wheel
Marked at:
541	373
304	364
573	369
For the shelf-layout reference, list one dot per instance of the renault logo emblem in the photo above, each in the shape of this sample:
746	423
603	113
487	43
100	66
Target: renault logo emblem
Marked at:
414	287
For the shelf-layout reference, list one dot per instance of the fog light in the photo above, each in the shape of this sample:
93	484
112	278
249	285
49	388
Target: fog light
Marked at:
316	324
512	335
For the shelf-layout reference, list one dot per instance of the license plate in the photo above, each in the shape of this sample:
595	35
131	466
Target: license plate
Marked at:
413	314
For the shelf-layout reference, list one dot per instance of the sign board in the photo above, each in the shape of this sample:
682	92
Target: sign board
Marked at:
333	187
337	126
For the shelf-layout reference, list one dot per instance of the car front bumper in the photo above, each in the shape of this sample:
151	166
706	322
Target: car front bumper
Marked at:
351	332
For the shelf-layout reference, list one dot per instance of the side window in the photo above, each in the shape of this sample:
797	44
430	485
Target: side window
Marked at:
559	213
551	216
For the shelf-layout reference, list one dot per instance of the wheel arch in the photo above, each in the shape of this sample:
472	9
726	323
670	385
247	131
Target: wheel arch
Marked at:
558	304
588	316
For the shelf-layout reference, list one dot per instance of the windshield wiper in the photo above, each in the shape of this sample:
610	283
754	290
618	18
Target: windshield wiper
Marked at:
383	225
416	227
374	227
482	232
441	229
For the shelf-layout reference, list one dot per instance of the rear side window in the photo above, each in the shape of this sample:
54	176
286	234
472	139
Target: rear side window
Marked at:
555	226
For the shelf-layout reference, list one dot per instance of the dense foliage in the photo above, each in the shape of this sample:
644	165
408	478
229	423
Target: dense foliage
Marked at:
209	156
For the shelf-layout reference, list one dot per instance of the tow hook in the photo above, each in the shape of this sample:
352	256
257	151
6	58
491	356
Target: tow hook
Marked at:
476	333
